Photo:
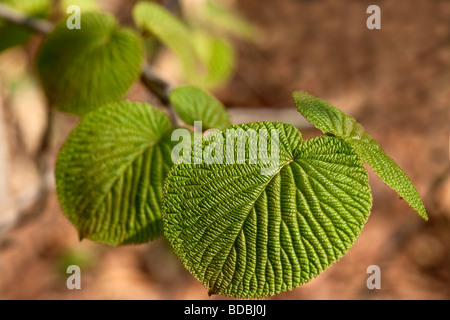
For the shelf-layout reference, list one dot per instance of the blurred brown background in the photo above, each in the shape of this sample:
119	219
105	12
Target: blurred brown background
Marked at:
395	81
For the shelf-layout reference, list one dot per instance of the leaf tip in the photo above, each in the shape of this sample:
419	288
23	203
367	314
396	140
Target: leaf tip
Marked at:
300	94
423	214
211	292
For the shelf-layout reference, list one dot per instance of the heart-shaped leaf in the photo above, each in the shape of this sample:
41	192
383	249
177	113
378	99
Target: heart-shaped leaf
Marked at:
333	121
82	69
194	104
110	173
245	233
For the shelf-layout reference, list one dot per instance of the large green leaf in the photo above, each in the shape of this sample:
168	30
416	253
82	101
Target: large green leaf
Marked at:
82	69
110	173
11	34
194	104
333	121
247	234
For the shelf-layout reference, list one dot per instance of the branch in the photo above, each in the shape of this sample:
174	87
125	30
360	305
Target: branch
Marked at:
17	17
160	88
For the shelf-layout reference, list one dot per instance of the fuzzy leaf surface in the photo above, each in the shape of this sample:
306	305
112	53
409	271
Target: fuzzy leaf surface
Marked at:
110	173
248	235
83	69
333	121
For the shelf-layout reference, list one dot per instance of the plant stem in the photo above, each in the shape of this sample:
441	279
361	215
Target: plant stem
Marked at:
17	17
160	88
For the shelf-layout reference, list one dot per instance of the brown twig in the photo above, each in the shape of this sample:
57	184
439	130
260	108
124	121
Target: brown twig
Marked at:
159	88
17	17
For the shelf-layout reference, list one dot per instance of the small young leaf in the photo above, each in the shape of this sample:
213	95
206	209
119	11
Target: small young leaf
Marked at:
12	34
110	173
206	61
218	57
248	235
82	69
331	120
84	5
228	20
153	18
194	104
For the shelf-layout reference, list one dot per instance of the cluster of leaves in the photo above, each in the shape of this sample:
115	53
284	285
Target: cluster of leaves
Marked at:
87	68
240	233
249	235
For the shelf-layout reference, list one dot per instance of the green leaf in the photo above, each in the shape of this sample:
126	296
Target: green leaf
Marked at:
217	55
247	234
83	69
219	18
12	34
206	61
85	5
333	121
227	19
153	18
194	104
110	173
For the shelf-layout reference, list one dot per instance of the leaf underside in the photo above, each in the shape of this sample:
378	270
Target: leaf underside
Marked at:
207	61
83	69
329	119
247	235
194	104
110	173
217	56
